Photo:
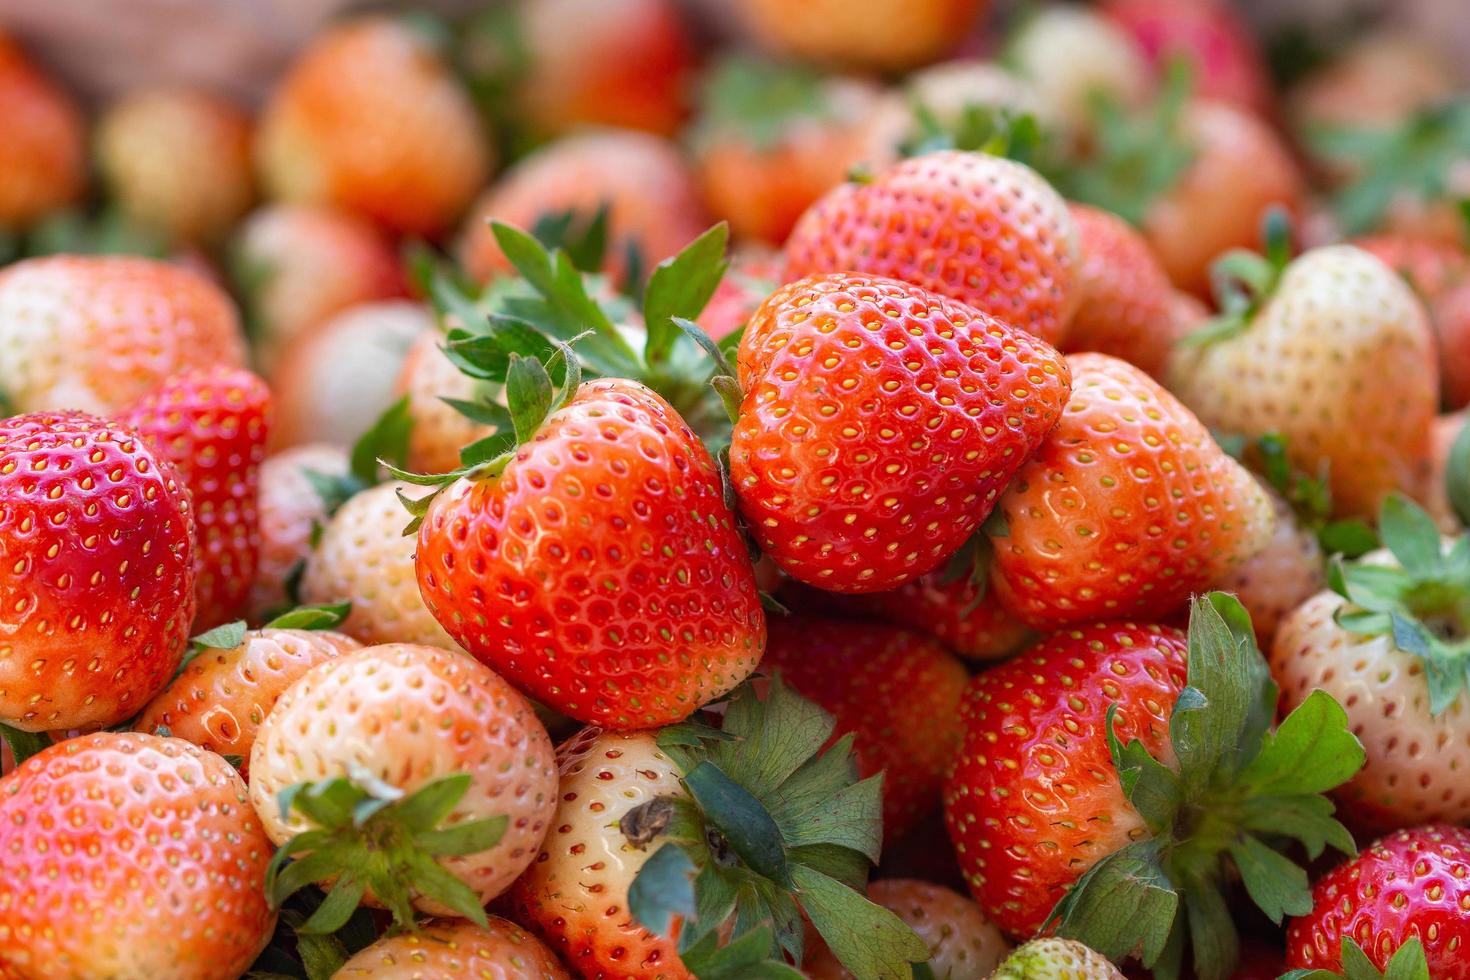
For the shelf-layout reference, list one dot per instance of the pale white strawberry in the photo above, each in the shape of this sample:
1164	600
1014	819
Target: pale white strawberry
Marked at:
439	431
1070	55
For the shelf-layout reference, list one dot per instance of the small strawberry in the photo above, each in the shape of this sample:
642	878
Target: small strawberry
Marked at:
1332	352
896	692
212	425
453	777
1116	779
298	265
1210	37
128	855
290	508
96	333
369	119
448	948
964	616
1056	959
1286	572
177	162
1409	886
1072	55
879	423
43	145
96	540
977	228
1127	508
870	35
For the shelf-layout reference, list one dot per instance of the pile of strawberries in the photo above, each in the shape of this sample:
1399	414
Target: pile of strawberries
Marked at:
647	490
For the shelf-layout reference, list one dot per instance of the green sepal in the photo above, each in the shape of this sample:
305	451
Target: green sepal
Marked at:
322	617
744	958
1124	903
1407	963
224	637
681	286
663	889
1151	787
868	939
582	236
1457	475
758	99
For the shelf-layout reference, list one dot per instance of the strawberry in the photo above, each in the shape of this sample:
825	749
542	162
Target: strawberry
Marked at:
220	698
770	139
964	616
1376	81
289	508
298	265
96	333
1387	641
1304	352
980	229
1071	56
963	945
834	497
1209	35
1286	572
876	35
43	145
427	378
128	855
177	161
1126	509
753	275
1056	959
1126	306
452	774
450	948
212	425
1447	469
1409	886
652	200
369	119
896	692
1115	779
96	539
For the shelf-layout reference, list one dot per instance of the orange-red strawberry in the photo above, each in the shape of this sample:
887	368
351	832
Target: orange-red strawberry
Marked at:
981	229
43	158
449	948
177	161
128	855
878	35
880	423
370	119
1127	508
1209	35
290	507
895	691
96	540
973	625
96	333
212	425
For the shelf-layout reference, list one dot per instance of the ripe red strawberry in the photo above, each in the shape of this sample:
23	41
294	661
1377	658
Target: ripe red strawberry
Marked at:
880	422
981	229
43	143
128	855
1412	884
1218	46
212	425
972	625
369	119
96	540
895	691
96	333
628	607
1126	509
873	35
448	948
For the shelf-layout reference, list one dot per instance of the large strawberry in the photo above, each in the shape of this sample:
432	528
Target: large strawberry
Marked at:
43	143
96	539
212	425
1127	508
1332	352
981	229
1397	906
895	691
128	855
96	333
449	948
879	424
1115	780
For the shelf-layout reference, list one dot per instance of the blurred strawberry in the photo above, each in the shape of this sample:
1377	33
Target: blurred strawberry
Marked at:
1380	79
43	165
440	431
877	35
1209	36
1071	55
290	508
1288	571
754	274
449	948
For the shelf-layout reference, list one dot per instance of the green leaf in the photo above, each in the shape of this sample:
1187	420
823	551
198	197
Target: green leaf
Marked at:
385	439
582	237
430	804
225	637
323	617
706	343
743	958
321	956
741	818
1274	882
528	389
681	286
843	863
851	818
776	736
483	451
23	745
872	942
1312	751
430	879
1408	962
1226	668
758	99
1212	936
1308	819
463	838
663	889
1350	537
333	913
490	414
1411	535
1150	786
1124	903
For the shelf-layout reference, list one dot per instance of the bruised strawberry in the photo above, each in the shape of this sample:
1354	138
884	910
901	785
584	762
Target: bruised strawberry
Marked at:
43	142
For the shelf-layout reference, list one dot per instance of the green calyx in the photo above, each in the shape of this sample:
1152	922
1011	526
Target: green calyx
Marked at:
370	837
1238	793
774	830
979	128
758	100
1423	604
1407	963
1244	281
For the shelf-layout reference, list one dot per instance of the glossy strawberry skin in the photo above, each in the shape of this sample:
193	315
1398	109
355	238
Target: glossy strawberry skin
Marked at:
128	855
879	424
96	541
1127	508
1413	882
896	691
213	425
601	572
986	231
1032	799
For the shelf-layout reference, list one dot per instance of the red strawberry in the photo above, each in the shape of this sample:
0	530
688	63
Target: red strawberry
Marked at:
212	425
97	544
43	144
1126	509
880	422
599	568
895	691
972	625
1412	884
1218	46
128	855
981	229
